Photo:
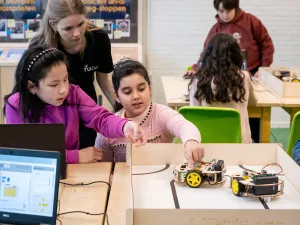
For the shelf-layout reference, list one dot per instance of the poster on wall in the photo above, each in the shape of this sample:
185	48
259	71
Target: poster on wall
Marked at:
124	27
20	19
20	9
3	28
108	9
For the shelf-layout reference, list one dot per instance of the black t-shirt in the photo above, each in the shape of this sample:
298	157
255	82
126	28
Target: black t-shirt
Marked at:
96	57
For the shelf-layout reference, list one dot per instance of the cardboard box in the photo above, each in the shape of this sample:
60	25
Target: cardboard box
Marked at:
152	196
281	88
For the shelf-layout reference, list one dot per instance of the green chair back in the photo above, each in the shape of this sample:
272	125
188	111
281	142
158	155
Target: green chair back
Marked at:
216	125
294	133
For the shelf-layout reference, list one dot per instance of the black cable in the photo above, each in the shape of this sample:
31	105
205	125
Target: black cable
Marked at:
59	221
86	184
275	139
87	213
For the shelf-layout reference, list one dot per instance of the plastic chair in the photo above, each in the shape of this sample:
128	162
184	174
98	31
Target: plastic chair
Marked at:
217	125
294	133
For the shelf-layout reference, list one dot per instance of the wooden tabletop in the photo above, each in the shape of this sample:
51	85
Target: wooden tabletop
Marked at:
119	199
91	198
176	87
290	102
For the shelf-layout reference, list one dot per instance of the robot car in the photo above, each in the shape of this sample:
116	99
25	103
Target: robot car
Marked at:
260	185
211	172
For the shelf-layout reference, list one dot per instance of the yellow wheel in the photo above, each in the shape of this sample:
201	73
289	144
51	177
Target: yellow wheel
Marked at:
194	178
295	80
236	187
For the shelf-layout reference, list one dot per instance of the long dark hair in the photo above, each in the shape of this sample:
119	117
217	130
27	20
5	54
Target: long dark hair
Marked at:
222	62
124	68
39	60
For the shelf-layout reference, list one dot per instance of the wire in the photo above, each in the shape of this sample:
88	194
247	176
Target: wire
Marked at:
273	164
59	221
87	213
275	139
244	168
86	184
261	171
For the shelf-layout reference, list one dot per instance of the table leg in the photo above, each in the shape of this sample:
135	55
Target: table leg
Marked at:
265	125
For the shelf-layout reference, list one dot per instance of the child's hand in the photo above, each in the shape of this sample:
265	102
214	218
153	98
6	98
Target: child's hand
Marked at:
134	134
193	152
90	155
189	74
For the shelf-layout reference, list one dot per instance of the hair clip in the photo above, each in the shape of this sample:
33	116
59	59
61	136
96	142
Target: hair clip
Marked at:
122	61
31	64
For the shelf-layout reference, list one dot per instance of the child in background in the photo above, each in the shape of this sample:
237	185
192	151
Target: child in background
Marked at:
219	82
160	123
253	38
249	32
42	94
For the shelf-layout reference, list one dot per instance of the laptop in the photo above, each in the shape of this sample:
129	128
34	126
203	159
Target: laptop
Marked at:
29	183
49	137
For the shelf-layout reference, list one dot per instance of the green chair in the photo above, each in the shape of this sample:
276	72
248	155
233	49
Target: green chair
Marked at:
217	125
294	133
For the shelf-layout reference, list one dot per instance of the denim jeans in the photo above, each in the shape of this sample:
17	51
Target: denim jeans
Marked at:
296	152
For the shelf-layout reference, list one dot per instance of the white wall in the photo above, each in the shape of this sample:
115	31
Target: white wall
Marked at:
177	30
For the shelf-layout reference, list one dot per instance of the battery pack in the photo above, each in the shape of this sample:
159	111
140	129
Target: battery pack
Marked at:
265	179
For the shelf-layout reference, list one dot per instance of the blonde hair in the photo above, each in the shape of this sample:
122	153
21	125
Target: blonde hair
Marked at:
55	11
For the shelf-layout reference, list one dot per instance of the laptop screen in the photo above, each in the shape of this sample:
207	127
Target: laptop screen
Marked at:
28	184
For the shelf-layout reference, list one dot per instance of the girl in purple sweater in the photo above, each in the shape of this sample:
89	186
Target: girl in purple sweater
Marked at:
42	94
160	123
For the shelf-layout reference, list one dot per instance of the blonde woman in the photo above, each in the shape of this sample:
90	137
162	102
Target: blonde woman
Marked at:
88	49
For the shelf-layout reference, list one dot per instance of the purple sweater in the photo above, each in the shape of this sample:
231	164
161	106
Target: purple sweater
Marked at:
81	107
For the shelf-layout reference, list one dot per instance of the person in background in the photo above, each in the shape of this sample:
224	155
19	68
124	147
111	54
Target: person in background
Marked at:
42	94
88	49
249	32
160	123
220	82
296	152
253	38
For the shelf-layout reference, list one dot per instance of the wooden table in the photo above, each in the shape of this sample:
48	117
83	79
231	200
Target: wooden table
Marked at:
119	200
290	104
91	198
176	87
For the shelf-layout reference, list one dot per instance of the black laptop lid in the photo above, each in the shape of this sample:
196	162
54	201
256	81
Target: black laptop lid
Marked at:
29	183
50	137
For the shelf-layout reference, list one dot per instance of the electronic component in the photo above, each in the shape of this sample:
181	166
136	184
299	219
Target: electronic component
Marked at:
220	165
284	72
262	179
212	172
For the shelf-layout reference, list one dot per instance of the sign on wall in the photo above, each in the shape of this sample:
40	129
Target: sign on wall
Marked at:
20	19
